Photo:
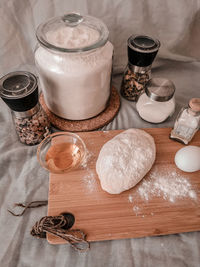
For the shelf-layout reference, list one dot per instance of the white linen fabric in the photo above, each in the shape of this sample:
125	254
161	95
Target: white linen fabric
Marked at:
177	25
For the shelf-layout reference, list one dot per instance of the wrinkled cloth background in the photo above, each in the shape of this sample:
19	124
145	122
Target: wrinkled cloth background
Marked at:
177	25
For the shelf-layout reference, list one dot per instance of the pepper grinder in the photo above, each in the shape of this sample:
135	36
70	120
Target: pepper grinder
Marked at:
142	51
19	90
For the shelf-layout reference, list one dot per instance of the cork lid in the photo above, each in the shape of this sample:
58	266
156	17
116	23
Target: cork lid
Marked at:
194	104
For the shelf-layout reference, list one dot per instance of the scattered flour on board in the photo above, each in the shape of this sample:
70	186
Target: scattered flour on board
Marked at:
89	179
136	209
88	156
130	198
164	182
167	184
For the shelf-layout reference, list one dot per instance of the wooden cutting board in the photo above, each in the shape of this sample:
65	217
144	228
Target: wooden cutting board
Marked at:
103	216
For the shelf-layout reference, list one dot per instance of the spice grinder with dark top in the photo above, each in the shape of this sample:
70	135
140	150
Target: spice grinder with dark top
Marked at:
19	90
142	51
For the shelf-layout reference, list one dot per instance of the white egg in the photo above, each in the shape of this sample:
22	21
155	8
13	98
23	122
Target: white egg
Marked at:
188	159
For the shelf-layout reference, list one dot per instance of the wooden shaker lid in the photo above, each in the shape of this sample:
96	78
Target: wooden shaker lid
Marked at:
194	104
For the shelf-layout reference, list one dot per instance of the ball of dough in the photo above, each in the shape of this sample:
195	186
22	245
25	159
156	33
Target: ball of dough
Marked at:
125	159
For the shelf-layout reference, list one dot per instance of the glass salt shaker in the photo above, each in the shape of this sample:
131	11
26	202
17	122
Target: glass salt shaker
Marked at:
157	102
142	51
19	90
187	122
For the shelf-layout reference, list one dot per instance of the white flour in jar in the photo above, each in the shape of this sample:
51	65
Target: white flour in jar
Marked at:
73	37
76	85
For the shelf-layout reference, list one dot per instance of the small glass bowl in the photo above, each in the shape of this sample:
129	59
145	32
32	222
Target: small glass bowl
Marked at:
67	139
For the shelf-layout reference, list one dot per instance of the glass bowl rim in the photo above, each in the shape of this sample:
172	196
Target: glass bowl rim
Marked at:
48	138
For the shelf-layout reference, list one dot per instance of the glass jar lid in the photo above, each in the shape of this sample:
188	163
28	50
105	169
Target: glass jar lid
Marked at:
72	33
160	89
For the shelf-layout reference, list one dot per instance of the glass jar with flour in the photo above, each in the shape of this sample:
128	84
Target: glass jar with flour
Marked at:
74	63
157	103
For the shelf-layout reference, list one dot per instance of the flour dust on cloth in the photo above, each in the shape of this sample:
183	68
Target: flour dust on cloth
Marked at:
125	159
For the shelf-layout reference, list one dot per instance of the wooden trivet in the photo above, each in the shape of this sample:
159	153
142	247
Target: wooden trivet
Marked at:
94	123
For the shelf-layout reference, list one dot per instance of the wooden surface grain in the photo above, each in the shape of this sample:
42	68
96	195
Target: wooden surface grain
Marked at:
106	217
